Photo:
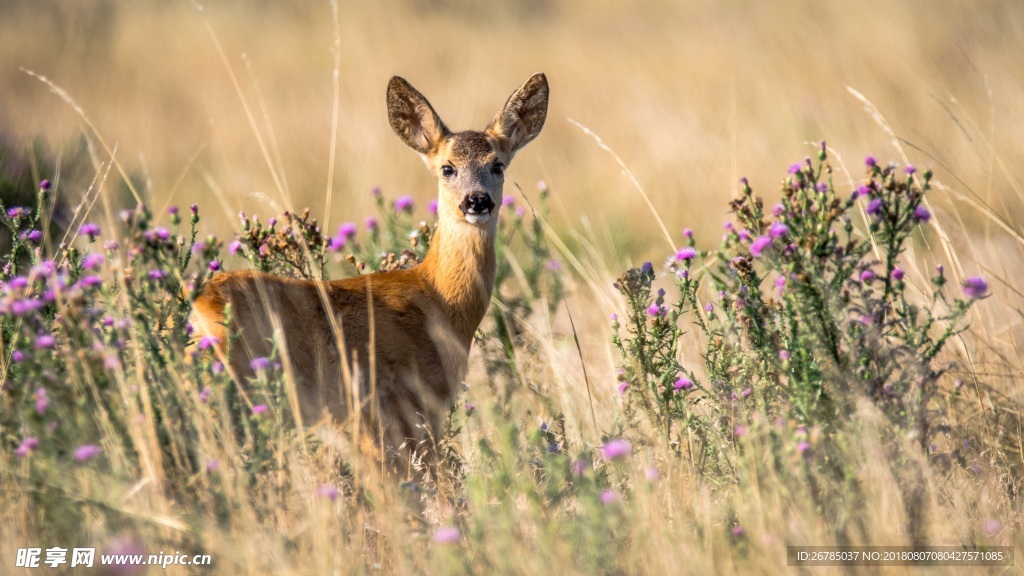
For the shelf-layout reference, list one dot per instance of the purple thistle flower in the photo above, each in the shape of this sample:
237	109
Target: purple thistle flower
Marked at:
17	356
447	535
746	392
376	192
404	204
89	229
194	209
553	265
738	531
910	170
686	253
975	287
328	491
870	161
609	497
157	275
34	235
897	274
795	168
647	268
234	247
371	223
778	229
652	473
508	200
709	307
17	283
784	354
204	394
212	466
214	265
172	210
921	214
802	447
208	342
27	446
87	452
347	230
272	222
44	185
740	430
579	467
683	383
867	276
45	341
42	401
759	245
687	233
45	268
259	409
655	310
822	187
260	364
613	317
616	449
623	386
18	212
875	206
198	247
93	260
861	191
110	245
90	281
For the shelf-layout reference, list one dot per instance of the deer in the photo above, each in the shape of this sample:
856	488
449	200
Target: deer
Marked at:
390	349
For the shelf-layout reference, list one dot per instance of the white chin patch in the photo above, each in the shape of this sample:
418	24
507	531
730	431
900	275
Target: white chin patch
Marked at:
478	218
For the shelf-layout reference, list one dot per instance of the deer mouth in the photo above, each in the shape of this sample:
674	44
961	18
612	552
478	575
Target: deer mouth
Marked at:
477	208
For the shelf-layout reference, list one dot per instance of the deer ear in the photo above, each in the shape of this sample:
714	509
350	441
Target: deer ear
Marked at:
522	118
413	118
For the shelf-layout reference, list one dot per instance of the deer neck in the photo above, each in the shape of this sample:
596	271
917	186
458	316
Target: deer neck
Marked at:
460	266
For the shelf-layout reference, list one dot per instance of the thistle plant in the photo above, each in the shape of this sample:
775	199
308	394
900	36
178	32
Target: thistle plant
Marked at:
809	311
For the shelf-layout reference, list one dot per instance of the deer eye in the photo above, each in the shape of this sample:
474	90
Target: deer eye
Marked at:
447	171
498	169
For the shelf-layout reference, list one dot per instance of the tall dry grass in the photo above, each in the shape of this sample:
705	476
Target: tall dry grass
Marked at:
689	95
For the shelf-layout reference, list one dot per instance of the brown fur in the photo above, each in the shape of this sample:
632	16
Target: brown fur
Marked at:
422	320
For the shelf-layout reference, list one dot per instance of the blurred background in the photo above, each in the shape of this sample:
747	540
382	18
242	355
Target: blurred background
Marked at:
208	102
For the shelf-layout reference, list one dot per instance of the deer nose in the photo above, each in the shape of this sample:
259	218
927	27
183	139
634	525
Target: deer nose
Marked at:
477	203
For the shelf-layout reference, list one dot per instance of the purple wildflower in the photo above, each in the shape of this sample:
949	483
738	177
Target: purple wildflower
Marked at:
910	170
921	214
802	447
975	287
875	206
870	161
784	354
508	200
42	401
34	235
194	209
404	204
795	168
655	310
27	446
759	245
208	342
687	253
87	452
204	394
683	383
867	276
778	229
746	392
45	341
259	409
17	356
172	210
90	281
44	185
260	364
647	268
609	497
897	274
616	449
234	247
447	535
157	275
347	230
709	307
579	467
738	531
328	491
212	466
740	430
652	473
89	229
553	265
623	386
371	223
18	212
93	260
822	187
687	233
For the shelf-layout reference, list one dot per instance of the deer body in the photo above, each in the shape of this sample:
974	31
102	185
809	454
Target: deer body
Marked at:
406	334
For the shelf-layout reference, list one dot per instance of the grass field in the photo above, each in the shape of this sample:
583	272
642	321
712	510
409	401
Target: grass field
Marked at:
264	107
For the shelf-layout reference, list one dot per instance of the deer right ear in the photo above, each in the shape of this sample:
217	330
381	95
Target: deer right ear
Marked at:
413	118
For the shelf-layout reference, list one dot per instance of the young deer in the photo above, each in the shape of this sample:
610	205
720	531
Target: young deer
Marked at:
406	333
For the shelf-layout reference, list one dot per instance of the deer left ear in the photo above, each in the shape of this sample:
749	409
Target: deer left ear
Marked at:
522	118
